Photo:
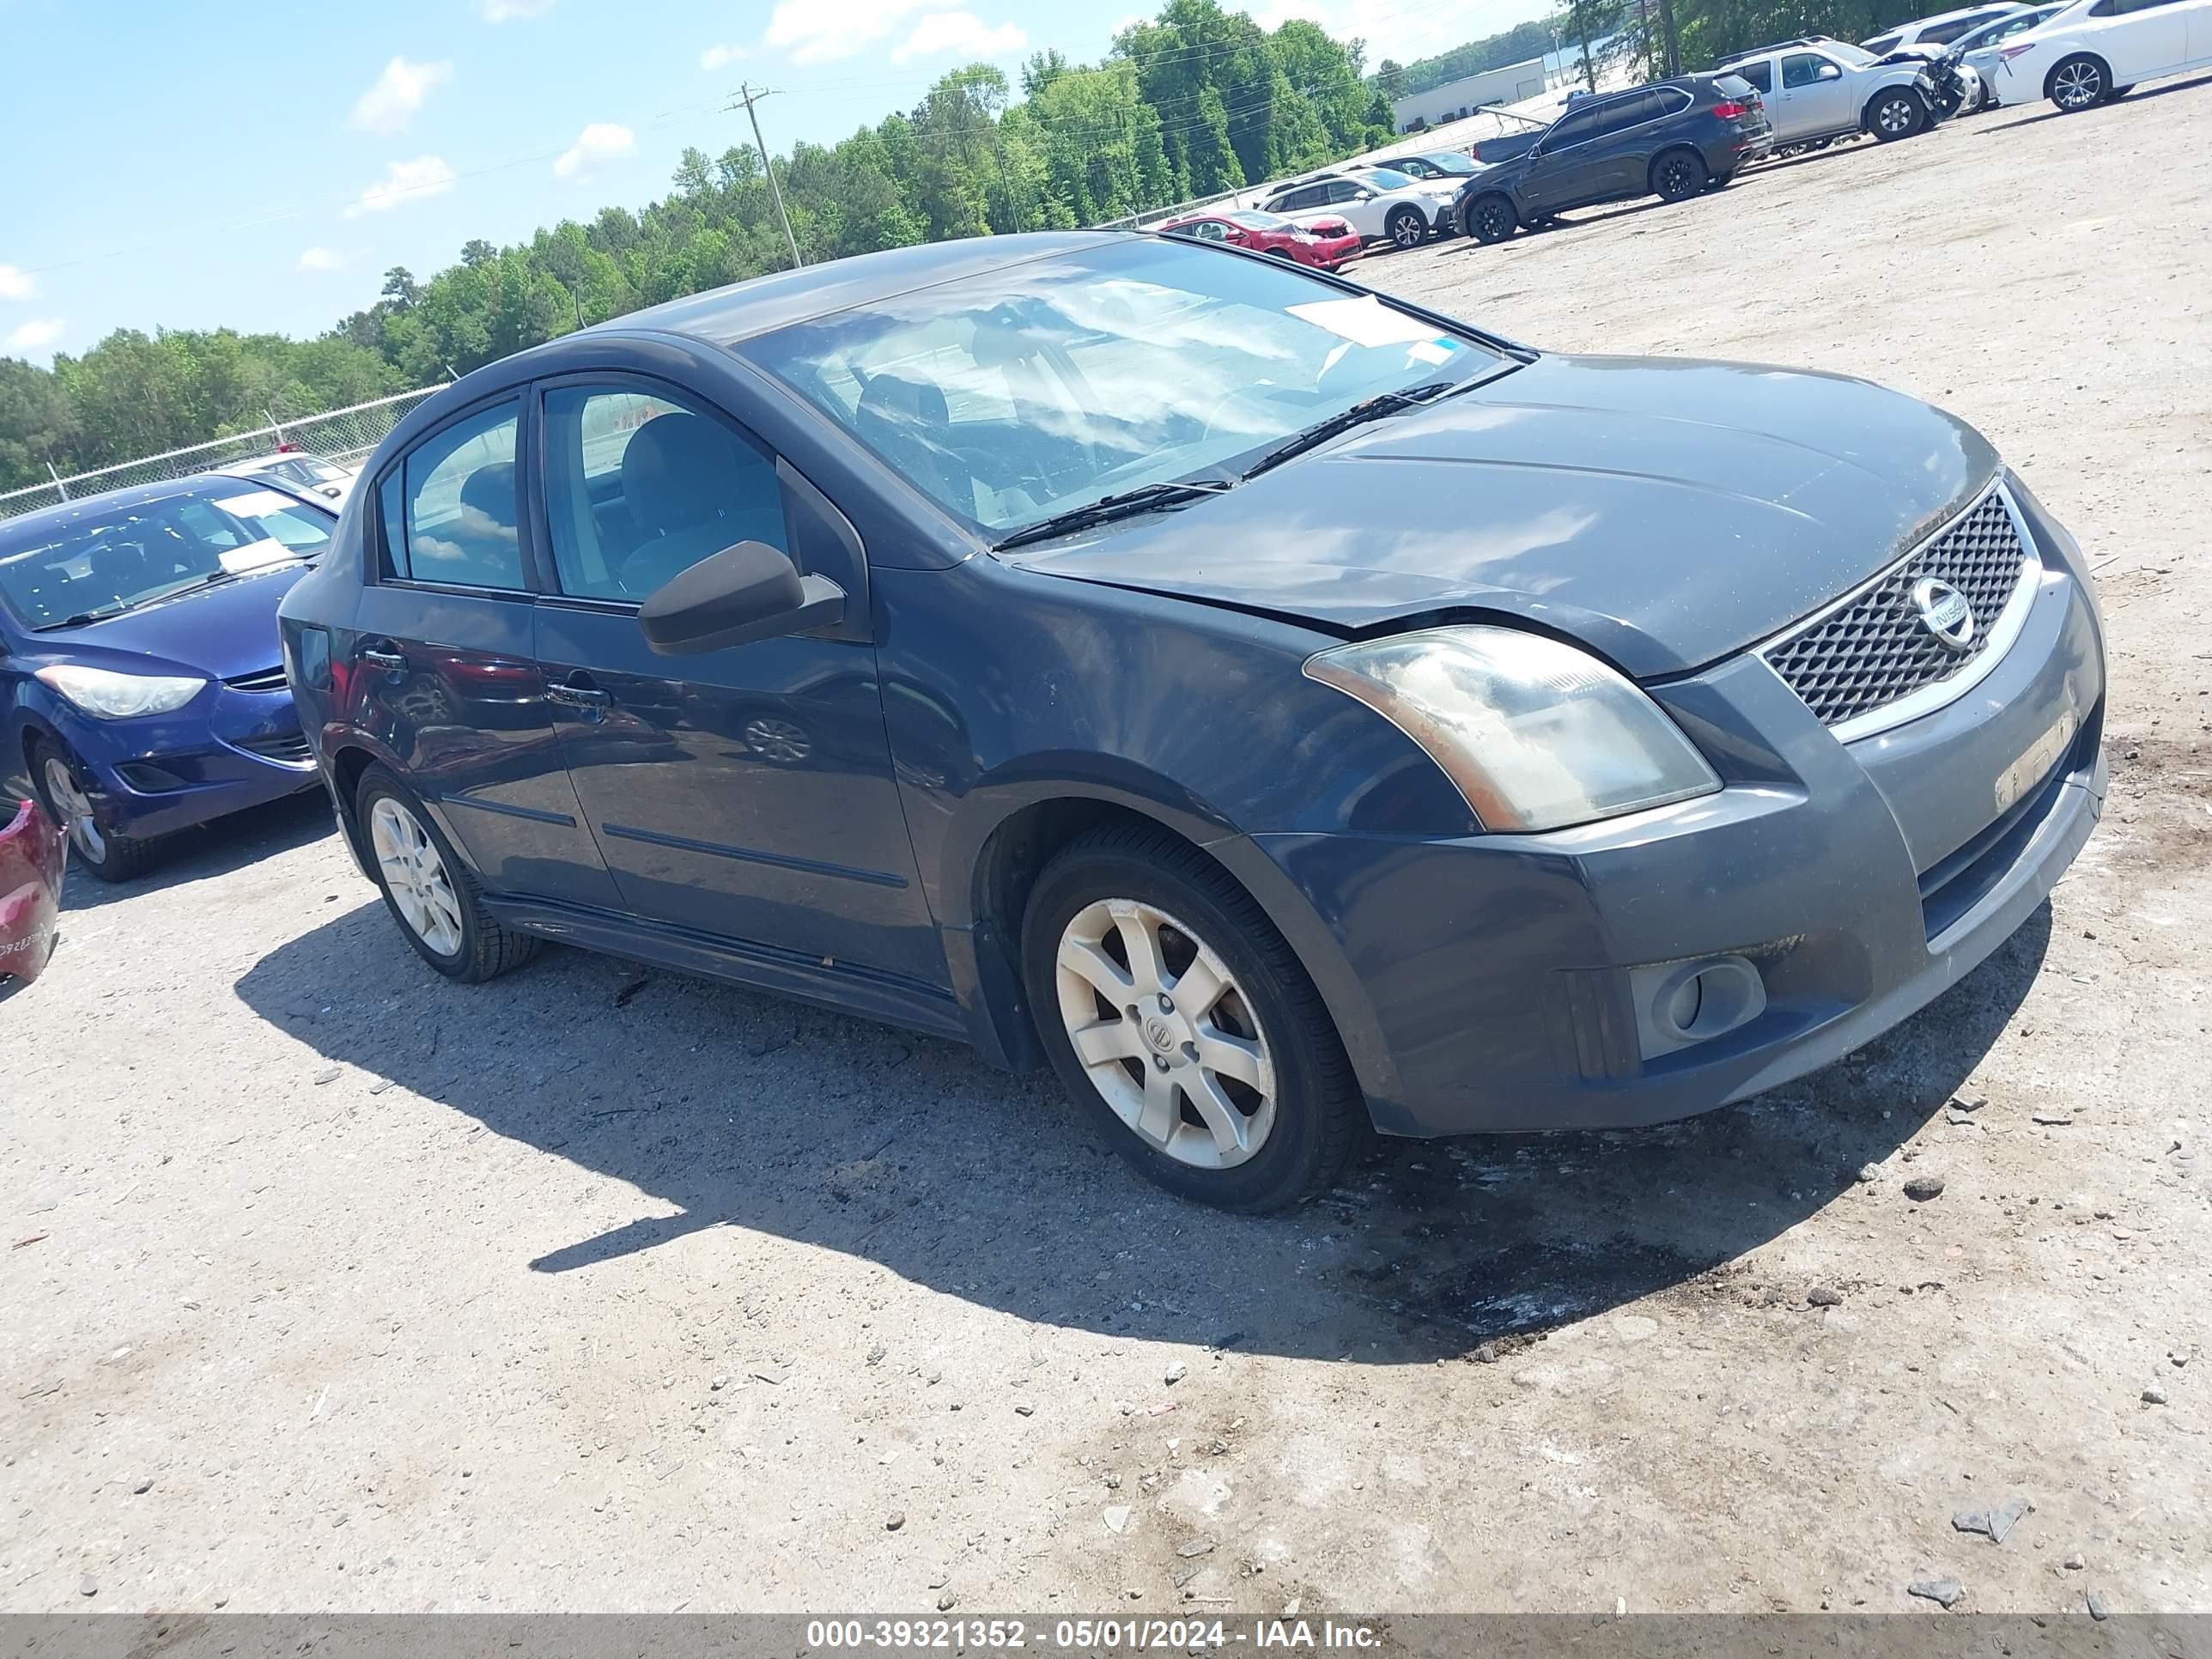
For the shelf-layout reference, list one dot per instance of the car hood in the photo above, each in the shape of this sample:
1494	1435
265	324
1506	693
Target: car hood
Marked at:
1666	513
219	632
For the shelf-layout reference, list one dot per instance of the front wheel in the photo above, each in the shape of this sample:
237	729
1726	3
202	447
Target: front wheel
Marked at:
428	890
67	797
2078	84
1678	175
1490	219
1895	114
1183	1023
1406	228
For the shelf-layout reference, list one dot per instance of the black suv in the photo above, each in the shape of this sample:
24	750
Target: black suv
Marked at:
1671	139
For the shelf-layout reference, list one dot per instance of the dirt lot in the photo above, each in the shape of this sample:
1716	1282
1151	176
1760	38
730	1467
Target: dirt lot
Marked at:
341	1287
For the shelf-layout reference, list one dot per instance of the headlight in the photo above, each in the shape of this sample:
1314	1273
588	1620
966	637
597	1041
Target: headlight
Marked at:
1536	734
114	696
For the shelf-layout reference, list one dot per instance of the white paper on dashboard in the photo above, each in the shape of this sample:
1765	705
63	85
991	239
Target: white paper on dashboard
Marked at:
254	555
1364	321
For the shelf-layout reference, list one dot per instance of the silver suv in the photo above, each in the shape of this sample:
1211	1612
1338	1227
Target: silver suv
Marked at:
1818	89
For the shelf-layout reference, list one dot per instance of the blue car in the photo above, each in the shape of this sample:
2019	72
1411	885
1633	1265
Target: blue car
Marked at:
1281	708
140	677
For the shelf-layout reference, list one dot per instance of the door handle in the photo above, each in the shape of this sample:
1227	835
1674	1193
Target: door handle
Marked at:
390	662
571	694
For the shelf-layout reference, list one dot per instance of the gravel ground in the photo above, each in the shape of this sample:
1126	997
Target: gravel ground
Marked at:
341	1287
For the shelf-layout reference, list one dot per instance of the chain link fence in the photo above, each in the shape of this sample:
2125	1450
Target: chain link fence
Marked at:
344	435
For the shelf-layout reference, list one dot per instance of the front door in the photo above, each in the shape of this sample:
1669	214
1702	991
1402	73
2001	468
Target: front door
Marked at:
2143	38
745	792
1811	97
440	669
1567	173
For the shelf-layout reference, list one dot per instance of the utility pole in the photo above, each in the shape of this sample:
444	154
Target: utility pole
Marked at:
748	97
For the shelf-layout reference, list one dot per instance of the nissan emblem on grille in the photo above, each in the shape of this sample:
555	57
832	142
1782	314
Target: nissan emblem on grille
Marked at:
1945	610
1921	621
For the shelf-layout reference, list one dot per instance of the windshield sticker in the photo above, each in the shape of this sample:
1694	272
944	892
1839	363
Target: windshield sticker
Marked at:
1365	321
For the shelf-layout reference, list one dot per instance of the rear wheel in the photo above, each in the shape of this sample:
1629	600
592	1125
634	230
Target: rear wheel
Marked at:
1406	228
65	793
1490	218
428	890
1179	1018
2079	83
1679	174
1895	114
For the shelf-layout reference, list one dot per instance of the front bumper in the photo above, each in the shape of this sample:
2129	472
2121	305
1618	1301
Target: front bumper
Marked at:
1497	976
225	753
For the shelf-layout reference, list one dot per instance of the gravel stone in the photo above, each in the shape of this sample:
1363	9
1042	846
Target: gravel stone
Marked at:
1922	1187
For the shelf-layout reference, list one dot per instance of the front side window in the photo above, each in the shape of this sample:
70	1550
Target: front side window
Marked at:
1801	69
106	560
451	514
641	485
1014	396
1572	129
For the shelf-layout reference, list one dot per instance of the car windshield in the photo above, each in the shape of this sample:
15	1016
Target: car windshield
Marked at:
307	469
104	562
1018	395
1388	179
1461	165
1253	219
1844	52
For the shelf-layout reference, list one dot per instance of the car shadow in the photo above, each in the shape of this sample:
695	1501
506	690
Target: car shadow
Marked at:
741	1111
207	849
2141	95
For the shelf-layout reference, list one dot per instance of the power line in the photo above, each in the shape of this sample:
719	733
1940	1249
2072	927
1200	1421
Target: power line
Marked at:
748	96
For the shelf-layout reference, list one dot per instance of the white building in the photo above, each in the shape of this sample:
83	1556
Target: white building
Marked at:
1456	99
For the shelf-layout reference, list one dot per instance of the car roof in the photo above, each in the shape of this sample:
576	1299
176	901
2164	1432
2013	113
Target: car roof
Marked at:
724	316
61	515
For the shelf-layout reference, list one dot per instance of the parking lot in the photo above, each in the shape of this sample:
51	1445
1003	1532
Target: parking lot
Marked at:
334	1285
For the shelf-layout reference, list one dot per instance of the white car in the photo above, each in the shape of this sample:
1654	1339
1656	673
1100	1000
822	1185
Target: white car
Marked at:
1817	89
2095	51
1441	192
1978	50
1404	217
1942	29
300	473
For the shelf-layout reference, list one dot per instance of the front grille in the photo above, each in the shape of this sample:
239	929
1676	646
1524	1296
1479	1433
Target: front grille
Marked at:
289	747
268	679
1874	648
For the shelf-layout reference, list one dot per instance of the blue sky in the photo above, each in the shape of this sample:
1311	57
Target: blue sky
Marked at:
184	164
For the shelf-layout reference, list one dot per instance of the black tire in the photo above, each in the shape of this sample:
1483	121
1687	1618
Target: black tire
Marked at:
2079	83
2118	93
119	858
1490	218
1406	228
1894	115
1679	174
1319	1115
487	949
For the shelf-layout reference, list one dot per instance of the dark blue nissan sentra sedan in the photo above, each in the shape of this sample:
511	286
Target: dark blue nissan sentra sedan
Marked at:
140	687
1280	707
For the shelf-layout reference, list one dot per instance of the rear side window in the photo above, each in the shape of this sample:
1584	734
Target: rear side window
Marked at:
639	486
450	510
1761	75
1667	100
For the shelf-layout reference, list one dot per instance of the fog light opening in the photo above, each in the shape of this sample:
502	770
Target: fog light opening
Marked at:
1680	1003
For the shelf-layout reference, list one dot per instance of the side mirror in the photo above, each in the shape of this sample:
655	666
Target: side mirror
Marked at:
1829	72
746	592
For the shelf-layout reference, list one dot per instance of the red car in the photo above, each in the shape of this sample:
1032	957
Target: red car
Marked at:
32	850
1325	244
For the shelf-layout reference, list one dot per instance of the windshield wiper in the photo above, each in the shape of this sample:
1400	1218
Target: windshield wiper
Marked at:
1147	498
1372	409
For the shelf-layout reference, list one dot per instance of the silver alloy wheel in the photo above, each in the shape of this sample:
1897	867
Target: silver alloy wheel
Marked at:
1165	1034
416	876
76	808
2077	85
1407	231
1894	115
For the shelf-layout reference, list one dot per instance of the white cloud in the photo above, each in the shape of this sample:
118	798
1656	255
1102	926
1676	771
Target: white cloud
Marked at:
961	31
34	336
820	31
16	284
391	104
320	259
717	56
404	181
602	141
513	11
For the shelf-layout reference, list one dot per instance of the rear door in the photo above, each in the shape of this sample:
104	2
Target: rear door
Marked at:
440	669
2141	39
745	792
